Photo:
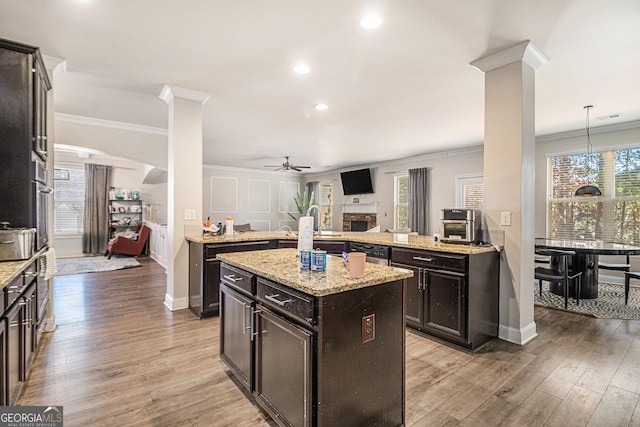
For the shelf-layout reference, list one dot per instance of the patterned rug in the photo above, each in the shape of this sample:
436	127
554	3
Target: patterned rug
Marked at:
608	305
67	266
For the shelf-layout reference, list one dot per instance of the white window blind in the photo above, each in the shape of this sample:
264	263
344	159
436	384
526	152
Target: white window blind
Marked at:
614	216
401	201
68	199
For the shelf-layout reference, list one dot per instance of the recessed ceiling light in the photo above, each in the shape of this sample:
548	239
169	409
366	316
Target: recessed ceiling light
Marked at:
301	69
320	107
371	20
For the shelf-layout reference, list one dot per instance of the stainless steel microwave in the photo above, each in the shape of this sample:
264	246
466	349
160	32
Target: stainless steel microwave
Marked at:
460	225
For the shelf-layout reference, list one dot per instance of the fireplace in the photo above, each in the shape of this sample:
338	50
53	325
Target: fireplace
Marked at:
358	221
358	225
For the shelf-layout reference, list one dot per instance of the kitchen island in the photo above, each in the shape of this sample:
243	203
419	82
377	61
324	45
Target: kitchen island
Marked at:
315	349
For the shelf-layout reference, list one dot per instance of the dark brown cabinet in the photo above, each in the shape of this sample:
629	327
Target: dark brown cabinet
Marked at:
19	330
204	273
23	140
304	355
444	300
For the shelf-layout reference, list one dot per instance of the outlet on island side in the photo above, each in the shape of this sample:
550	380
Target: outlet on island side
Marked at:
368	328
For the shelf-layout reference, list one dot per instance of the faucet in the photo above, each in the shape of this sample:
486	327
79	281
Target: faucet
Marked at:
312	207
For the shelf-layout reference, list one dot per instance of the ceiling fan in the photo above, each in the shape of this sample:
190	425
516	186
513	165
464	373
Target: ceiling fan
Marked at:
287	166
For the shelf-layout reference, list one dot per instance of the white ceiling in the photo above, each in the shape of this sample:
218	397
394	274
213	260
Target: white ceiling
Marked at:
401	90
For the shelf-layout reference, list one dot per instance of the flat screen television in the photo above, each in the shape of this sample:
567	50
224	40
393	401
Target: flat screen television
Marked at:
356	182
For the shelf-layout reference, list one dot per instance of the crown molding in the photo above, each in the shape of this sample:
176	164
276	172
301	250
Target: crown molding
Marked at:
593	131
90	121
525	51
169	92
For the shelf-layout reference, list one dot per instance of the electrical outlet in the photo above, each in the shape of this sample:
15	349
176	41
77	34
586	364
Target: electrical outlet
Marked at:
368	328
505	218
189	214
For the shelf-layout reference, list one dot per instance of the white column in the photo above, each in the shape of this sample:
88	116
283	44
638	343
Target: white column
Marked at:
509	179
184	186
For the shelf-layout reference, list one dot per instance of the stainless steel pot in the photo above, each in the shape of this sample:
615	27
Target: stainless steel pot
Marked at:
17	243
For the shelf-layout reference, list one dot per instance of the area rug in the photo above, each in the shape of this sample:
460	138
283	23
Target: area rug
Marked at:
608	305
67	266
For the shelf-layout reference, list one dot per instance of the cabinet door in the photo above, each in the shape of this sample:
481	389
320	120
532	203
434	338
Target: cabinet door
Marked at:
413	300
445	304
13	352
283	383
30	308
236	341
210	297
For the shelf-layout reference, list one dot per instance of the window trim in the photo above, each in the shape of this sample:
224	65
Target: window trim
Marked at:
395	196
461	180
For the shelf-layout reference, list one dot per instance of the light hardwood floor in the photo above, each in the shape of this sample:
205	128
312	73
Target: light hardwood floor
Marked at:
119	358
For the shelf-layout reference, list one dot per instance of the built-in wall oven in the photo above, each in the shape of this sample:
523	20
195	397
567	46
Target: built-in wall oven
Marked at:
460	225
42	192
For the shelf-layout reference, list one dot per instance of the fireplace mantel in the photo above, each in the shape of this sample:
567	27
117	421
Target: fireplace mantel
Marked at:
371	207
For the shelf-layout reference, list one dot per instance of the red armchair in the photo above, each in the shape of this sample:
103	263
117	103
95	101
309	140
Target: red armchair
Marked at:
122	245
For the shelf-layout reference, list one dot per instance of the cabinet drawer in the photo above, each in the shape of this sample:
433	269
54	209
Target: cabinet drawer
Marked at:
429	259
210	251
286	300
330	247
238	279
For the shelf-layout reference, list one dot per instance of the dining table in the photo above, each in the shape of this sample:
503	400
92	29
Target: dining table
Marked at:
585	260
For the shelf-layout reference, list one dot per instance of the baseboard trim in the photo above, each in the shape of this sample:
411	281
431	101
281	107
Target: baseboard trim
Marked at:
518	336
174	304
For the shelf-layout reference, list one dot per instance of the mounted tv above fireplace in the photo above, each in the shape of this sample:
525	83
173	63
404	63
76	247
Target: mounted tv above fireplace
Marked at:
356	182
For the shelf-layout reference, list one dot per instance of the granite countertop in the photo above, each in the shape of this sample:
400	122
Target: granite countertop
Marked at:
281	266
388	239
9	270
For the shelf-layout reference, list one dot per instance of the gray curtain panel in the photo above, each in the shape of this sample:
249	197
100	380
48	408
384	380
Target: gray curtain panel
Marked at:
96	206
418	201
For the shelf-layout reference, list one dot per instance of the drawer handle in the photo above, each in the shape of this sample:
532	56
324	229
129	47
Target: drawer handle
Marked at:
273	298
419	258
233	278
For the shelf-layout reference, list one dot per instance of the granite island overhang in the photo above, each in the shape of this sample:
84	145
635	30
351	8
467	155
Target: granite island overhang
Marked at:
281	266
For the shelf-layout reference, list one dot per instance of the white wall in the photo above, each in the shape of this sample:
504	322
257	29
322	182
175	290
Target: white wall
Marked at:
443	169
249	196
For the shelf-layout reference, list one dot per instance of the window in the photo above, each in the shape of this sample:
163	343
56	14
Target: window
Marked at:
68	199
401	201
470	191
325	202
614	216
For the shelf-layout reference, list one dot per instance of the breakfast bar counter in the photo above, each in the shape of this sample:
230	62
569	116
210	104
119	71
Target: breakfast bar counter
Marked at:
399	240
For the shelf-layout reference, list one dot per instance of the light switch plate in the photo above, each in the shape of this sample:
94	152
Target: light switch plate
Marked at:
189	214
505	218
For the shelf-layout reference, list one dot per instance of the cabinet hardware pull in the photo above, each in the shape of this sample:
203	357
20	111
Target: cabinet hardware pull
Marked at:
253	323
244	318
233	278
419	258
273	298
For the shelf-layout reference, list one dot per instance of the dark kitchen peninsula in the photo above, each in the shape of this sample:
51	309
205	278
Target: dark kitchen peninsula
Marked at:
453	295
315	349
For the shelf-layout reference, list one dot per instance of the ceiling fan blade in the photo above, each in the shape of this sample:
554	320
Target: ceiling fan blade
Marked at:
295	168
302	167
273	166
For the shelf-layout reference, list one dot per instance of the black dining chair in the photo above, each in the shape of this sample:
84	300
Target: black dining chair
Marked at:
615	266
559	273
628	275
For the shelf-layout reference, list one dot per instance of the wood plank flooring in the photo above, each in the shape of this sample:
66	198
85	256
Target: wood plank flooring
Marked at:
120	358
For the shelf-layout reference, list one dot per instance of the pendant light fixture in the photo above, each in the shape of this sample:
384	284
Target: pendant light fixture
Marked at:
588	190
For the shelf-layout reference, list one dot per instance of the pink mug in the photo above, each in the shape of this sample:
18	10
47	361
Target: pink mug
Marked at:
355	267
